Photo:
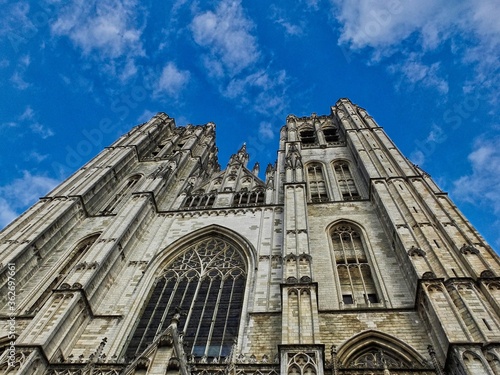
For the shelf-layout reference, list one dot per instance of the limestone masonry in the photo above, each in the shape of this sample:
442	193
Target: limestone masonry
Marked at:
346	259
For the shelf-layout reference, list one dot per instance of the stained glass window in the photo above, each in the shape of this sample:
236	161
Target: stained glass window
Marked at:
207	284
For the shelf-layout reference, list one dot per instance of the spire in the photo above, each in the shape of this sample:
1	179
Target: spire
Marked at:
256	169
241	157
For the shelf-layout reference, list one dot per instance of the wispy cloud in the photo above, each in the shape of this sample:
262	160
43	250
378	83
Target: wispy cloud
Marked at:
104	30
471	27
36	156
233	59
42	130
226	35
266	132
482	185
414	72
172	80
17	79
28	114
290	25
22	192
28	120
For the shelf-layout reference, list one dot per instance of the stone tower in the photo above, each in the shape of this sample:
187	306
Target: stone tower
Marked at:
345	259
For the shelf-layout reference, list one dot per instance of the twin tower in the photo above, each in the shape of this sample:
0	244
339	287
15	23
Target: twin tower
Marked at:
346	259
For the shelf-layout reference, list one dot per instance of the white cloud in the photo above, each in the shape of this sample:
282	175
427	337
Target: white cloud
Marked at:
172	80
42	130
7	214
36	156
393	26
18	81
28	114
105	30
482	185
29	120
292	26
226	35
414	72
22	192
266	90
232	58
146	116
15	21
266	131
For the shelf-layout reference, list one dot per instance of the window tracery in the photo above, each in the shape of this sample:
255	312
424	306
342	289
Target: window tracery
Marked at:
301	364
316	183
356	281
207	281
345	181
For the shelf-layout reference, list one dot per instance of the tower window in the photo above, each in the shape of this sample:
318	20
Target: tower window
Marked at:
308	137
316	183
354	271
331	135
206	282
345	181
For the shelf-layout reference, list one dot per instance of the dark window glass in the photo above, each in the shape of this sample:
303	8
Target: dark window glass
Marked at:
331	135
207	283
307	137
347	298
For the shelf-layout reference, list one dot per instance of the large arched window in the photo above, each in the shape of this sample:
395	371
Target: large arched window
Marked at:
206	283
316	183
353	269
345	181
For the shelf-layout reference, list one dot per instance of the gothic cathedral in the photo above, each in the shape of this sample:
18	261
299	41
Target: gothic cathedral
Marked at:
346	259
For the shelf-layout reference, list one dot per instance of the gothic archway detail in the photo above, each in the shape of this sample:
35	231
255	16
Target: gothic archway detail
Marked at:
377	350
301	364
206	281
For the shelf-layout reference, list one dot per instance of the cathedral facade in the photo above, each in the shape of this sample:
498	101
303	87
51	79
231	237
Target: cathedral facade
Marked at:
346	259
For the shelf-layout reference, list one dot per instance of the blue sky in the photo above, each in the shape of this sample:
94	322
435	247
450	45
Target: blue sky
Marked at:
75	75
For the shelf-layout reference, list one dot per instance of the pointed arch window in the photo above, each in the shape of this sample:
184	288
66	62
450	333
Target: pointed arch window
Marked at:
374	357
345	181
206	282
124	190
355	276
316	183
